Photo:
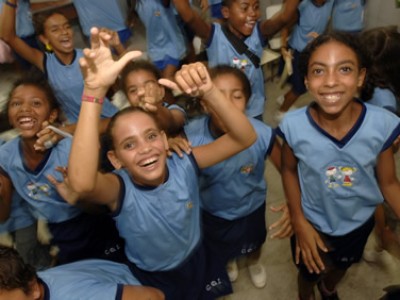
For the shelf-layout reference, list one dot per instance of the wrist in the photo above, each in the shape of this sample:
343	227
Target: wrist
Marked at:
93	99
11	3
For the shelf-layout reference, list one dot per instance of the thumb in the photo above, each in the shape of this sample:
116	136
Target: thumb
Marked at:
127	57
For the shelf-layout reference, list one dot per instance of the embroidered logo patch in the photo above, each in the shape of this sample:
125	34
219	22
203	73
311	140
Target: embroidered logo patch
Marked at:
35	189
247	169
339	176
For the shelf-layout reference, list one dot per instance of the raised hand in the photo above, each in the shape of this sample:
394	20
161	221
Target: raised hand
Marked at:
63	187
193	79
98	67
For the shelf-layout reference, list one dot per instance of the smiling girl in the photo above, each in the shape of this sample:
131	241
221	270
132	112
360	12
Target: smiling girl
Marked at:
60	66
337	165
77	234
155	200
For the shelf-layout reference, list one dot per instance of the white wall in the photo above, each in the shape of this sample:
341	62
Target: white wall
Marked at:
382	13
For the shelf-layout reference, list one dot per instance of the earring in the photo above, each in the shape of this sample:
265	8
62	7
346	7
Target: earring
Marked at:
49	48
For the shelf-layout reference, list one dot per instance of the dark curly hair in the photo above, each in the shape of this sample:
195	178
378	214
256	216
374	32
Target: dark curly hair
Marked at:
225	69
36	79
382	46
14	272
135	66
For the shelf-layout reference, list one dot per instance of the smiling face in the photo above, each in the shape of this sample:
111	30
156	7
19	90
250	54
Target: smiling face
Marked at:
58	33
334	76
28	108
141	83
140	147
242	16
233	89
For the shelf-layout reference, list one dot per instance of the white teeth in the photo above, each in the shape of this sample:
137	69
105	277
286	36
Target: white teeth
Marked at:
148	162
332	97
25	120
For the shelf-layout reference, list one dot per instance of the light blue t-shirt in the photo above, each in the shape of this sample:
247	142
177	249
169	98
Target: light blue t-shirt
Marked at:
220	51
235	187
384	98
67	84
164	37
103	13
312	18
33	186
92	279
23	26
339	189
348	15
161	225
20	215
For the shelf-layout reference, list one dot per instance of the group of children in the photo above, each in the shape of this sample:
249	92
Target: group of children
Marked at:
172	222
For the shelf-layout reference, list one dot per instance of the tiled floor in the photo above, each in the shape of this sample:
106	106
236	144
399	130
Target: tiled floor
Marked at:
363	281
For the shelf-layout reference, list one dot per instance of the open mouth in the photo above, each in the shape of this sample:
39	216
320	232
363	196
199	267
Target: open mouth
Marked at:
66	42
26	123
331	98
148	162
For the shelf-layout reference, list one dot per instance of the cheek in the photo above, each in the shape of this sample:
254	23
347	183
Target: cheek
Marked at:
133	99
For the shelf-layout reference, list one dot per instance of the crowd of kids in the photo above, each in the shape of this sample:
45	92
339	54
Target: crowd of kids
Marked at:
151	202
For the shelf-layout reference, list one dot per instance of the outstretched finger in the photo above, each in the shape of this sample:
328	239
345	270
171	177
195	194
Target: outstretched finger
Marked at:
94	38
169	84
52	180
126	58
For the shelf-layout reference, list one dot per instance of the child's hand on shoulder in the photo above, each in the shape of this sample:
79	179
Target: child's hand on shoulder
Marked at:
179	145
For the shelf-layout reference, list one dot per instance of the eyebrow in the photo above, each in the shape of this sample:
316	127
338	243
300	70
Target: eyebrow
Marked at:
134	137
147	81
348	61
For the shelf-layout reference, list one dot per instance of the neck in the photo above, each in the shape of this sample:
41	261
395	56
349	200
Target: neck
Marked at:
340	124
31	157
65	58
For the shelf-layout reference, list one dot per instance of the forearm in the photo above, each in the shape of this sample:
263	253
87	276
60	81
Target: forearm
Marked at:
293	195
200	27
286	16
7	27
84	156
185	10
5	198
391	192
291	184
238	126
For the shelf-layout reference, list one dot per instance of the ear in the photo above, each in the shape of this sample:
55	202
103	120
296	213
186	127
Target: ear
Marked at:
225	12
36	291
53	116
165	140
114	160
43	39
162	91
361	77
306	82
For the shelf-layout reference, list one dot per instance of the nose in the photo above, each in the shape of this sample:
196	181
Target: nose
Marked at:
144	147
25	106
331	78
